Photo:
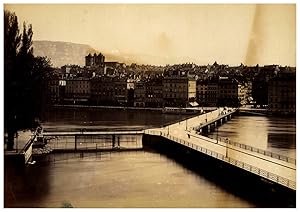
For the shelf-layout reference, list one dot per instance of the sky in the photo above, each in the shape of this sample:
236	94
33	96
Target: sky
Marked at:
200	33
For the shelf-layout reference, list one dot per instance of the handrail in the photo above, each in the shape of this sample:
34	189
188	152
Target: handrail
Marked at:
83	132
260	151
263	173
215	119
252	149
27	145
245	146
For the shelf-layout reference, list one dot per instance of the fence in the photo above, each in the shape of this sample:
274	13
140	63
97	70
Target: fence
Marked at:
94	142
260	151
244	146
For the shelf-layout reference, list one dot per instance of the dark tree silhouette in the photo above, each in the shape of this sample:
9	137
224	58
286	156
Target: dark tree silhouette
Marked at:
24	77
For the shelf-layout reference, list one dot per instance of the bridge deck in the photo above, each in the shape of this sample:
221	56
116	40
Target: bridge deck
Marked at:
280	171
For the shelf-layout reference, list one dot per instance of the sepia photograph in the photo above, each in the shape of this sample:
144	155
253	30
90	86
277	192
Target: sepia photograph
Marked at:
149	105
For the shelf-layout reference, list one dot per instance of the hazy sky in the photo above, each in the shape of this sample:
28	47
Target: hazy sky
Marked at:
200	33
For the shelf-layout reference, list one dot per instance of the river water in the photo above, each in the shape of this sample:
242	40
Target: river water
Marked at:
137	178
68	119
275	134
120	179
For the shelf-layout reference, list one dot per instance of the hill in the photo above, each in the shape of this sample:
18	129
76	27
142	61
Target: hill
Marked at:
62	53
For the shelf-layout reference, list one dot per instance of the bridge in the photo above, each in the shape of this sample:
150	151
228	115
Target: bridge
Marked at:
94	140
253	111
273	167
22	148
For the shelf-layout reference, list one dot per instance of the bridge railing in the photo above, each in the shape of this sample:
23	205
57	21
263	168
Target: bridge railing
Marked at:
84	132
27	145
93	142
263	173
244	146
260	151
217	117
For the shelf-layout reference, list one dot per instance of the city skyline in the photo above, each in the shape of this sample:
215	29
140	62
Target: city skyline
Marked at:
149	106
200	33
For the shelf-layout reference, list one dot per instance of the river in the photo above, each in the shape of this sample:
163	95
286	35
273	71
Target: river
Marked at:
137	178
72	119
120	179
275	134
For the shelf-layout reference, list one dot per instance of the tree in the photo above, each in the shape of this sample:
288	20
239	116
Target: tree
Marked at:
24	77
11	43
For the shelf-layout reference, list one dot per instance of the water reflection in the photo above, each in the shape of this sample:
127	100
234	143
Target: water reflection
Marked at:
124	179
276	134
64	119
135	179
24	186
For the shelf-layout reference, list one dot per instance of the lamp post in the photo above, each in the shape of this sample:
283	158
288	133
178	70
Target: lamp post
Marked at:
17	141
217	132
226	148
168	130
186	124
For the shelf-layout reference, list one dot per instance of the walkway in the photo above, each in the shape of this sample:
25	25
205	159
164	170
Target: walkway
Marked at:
274	169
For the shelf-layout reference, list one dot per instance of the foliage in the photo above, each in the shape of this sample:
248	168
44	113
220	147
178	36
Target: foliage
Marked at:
24	77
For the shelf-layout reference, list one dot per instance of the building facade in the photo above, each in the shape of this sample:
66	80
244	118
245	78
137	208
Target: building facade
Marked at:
218	92
178	91
227	92
106	90
202	92
154	93
260	84
282	94
52	89
212	94
244	93
77	91
139	94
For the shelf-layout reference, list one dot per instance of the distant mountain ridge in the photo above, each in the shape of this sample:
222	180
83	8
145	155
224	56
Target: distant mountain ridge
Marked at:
62	53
